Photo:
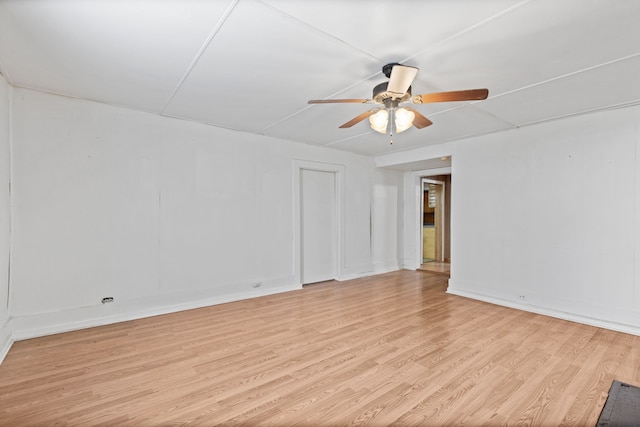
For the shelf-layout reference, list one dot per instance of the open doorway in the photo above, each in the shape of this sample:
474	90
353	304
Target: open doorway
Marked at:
435	228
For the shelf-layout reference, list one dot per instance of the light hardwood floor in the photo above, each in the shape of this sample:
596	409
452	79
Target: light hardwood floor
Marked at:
442	268
393	349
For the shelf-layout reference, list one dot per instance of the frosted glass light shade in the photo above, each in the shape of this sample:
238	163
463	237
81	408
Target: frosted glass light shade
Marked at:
379	121
403	119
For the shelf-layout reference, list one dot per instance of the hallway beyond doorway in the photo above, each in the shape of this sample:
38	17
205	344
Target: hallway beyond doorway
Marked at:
442	268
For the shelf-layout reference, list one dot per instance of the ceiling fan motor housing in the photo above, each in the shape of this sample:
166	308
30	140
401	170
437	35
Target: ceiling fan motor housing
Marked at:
386	69
380	94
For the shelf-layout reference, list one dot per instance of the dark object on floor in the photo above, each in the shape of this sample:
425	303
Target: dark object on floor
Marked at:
622	408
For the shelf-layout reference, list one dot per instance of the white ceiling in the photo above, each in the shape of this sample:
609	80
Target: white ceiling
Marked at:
251	65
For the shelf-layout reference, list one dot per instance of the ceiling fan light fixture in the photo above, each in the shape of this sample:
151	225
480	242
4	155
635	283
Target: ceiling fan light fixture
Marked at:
392	118
403	119
379	121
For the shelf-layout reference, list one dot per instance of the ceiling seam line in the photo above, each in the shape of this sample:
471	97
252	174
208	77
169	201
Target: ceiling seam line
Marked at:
338	141
284	119
200	52
584	112
509	9
572	73
320	31
518	126
6	75
445	40
126	107
328	36
466	30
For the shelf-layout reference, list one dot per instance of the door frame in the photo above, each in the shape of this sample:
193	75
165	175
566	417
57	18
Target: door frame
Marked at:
440	207
415	223
339	185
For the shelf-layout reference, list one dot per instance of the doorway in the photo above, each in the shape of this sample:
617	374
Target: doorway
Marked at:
434	223
318	193
432	220
318	217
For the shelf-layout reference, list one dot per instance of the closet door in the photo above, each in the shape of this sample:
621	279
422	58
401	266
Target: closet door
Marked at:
319	225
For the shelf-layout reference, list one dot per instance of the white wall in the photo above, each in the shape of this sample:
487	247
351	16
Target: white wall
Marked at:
5	212
546	217
161	214
386	216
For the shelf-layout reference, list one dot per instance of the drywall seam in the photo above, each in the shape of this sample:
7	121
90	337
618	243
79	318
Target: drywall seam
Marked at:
204	47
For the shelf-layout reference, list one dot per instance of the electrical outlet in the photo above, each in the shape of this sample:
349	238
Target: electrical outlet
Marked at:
522	297
256	284
107	299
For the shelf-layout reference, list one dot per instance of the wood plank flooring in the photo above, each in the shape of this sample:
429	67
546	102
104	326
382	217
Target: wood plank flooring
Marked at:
393	349
442	268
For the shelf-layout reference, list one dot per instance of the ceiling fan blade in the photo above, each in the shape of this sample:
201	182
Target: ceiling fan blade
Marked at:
338	101
419	120
358	119
401	78
456	95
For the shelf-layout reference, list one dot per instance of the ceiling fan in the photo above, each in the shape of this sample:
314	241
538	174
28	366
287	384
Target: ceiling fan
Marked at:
392	117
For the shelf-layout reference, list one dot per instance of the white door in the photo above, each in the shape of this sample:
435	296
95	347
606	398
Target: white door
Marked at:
318	221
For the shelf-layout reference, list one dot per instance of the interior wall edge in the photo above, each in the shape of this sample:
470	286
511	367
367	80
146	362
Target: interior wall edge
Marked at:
377	268
532	308
11	197
386	266
408	264
6	340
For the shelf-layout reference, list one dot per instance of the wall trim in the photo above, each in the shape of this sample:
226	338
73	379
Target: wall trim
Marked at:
22	327
377	269
42	324
600	323
6	340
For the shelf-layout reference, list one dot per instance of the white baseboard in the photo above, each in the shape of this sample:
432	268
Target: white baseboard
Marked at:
21	327
408	264
600	323
6	340
386	268
36	325
370	271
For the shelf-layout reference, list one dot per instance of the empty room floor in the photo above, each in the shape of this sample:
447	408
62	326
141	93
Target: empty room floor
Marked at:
393	349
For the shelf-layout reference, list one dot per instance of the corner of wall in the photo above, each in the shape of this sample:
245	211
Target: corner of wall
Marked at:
6	340
6	336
